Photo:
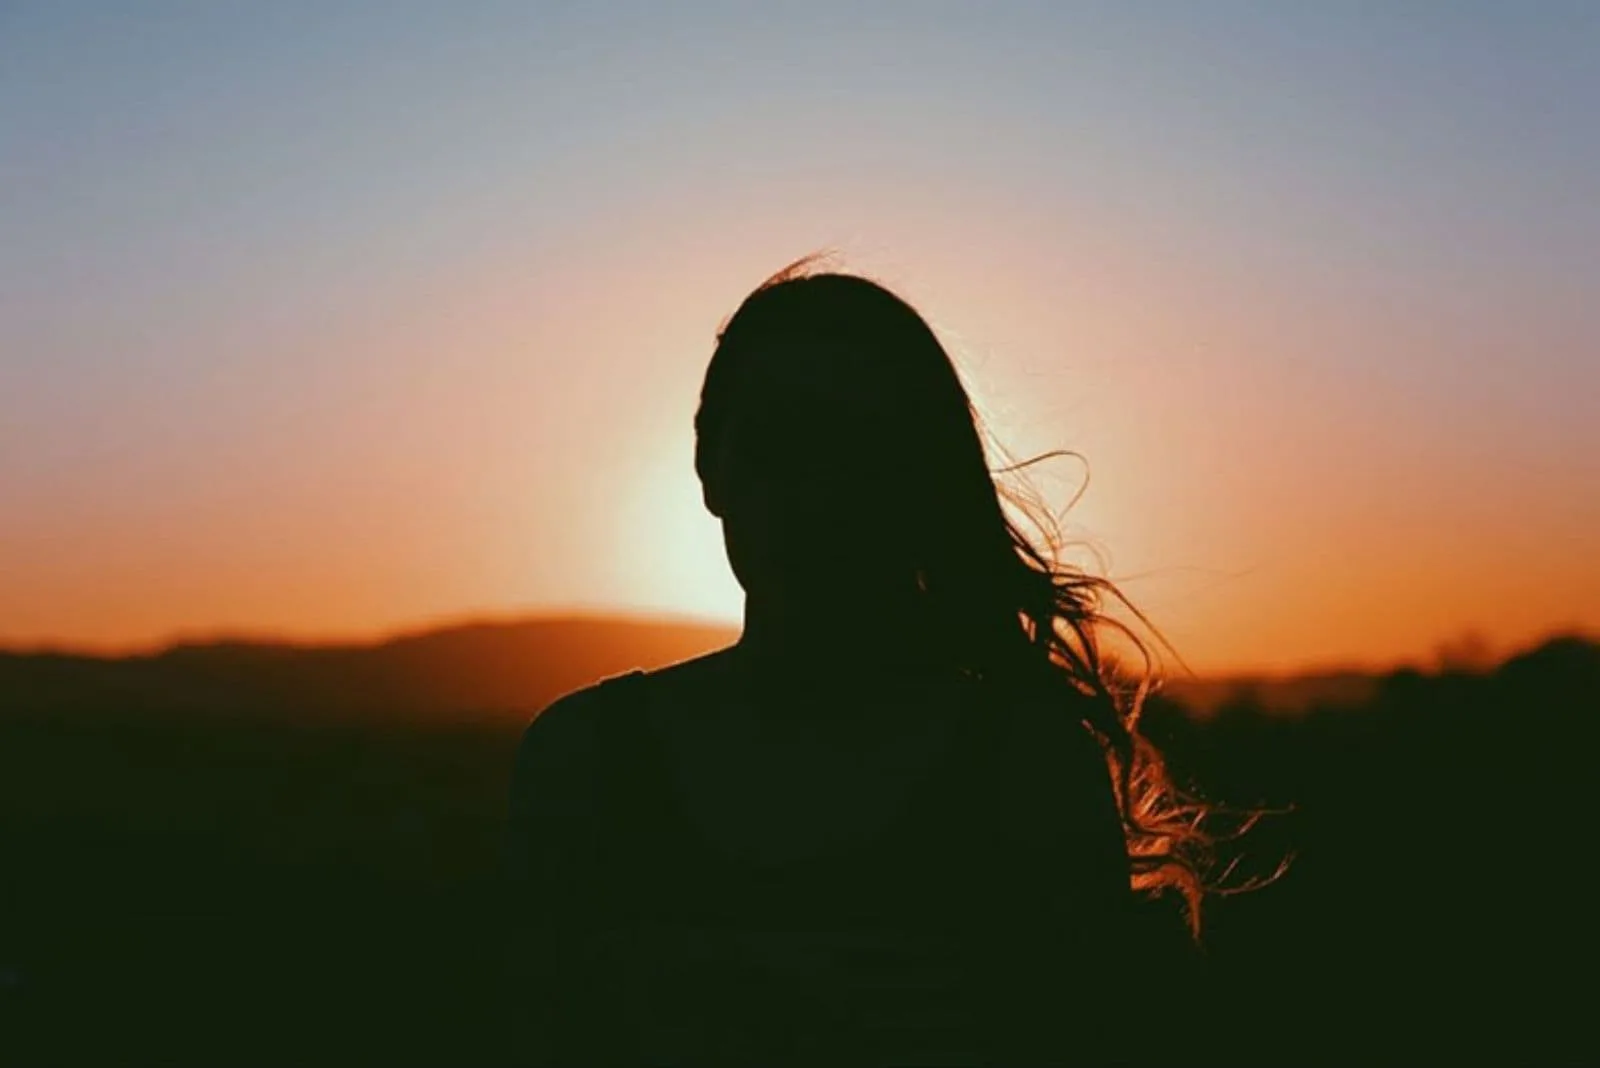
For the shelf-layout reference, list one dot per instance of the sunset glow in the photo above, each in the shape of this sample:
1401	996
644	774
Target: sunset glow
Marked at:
325	326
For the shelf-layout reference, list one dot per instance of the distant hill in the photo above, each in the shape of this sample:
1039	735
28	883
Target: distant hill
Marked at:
470	671
1294	693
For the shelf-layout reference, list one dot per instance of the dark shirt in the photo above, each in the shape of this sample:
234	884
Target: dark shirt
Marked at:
709	871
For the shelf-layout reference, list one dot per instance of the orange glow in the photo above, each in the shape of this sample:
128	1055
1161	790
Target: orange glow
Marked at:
507	439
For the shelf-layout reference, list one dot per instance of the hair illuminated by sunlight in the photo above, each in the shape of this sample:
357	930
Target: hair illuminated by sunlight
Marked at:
986	555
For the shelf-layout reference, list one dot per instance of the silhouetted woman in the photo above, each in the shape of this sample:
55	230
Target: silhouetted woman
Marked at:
904	819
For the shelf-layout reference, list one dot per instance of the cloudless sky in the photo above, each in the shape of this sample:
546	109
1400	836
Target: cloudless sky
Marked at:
323	318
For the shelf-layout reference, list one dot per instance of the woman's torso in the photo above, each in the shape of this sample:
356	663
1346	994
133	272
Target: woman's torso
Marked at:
899	871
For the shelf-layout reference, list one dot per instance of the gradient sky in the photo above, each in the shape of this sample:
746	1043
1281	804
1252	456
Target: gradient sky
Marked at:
324	318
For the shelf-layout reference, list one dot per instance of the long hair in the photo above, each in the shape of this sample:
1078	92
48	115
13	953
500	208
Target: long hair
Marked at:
900	424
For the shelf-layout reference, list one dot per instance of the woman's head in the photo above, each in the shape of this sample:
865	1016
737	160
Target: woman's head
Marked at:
839	448
837	445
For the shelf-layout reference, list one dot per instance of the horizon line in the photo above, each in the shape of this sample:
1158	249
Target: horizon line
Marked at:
365	638
380	636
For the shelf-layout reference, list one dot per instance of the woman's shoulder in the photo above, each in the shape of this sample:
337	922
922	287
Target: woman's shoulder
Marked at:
1056	769
1049	721
570	727
567	724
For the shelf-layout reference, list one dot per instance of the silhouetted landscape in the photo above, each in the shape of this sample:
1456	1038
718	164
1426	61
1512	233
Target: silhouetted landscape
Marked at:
242	851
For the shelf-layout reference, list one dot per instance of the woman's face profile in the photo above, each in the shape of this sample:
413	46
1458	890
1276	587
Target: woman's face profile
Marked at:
799	513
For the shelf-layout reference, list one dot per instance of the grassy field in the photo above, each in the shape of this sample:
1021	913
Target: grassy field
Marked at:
217	889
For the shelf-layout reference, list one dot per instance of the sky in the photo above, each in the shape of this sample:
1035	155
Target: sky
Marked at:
325	318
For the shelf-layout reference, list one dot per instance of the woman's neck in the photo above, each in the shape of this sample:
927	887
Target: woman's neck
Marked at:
866	636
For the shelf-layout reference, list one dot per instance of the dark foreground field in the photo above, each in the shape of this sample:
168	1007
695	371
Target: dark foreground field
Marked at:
223	887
